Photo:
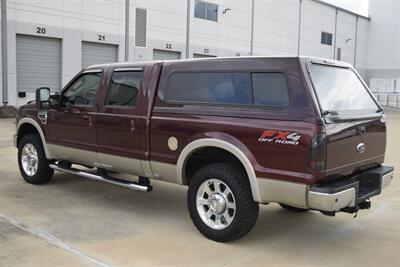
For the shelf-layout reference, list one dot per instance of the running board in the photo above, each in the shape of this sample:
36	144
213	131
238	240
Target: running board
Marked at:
103	178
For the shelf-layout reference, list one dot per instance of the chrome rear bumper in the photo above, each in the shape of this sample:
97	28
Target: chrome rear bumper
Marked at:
350	191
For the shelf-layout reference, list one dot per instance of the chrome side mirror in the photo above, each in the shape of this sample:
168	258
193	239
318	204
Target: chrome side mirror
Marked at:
43	98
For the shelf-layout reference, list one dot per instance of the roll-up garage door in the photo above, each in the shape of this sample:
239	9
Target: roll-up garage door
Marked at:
95	53
202	56
38	63
165	55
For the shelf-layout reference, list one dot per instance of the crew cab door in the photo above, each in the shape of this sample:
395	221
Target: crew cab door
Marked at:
120	122
72	132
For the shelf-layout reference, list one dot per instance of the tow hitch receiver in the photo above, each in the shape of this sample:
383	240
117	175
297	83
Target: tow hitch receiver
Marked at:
365	205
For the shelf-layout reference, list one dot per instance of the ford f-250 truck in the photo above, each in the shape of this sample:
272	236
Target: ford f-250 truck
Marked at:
303	132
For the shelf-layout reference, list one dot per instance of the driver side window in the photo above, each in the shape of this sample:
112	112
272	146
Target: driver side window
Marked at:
83	91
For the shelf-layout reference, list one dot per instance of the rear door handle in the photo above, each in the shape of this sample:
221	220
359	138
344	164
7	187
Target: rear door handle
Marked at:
132	126
89	118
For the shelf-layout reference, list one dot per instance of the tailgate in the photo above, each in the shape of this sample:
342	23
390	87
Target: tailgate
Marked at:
354	146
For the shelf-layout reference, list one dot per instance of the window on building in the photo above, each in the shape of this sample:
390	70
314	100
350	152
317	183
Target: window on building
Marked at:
260	89
339	54
205	10
326	38
123	88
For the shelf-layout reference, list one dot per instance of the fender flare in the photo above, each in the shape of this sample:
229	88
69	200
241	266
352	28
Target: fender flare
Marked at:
39	130
212	142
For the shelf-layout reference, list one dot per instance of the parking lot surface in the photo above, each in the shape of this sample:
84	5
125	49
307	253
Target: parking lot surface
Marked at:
72	221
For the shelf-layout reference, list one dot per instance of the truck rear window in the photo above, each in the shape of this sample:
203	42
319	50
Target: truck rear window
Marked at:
123	88
235	88
339	89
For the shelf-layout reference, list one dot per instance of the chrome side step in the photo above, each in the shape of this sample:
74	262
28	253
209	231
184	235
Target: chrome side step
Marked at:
103	178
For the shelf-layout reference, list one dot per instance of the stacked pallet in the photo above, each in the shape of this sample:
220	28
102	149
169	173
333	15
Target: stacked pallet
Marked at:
386	91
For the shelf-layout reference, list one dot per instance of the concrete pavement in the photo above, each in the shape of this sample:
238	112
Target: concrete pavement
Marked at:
76	222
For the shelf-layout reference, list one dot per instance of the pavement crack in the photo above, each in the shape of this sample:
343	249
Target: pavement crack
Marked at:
52	240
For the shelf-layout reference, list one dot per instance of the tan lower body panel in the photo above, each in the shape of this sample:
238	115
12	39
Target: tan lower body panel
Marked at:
270	190
294	194
164	171
80	156
153	169
119	164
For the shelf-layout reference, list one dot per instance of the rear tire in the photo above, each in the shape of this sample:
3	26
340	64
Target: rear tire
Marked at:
32	161
293	209
228	211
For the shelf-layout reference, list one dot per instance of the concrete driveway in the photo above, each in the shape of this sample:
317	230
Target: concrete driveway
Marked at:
76	222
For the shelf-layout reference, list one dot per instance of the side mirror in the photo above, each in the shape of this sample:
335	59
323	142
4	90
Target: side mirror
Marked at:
43	97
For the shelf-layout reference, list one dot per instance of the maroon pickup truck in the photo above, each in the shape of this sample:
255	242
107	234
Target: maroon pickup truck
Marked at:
303	132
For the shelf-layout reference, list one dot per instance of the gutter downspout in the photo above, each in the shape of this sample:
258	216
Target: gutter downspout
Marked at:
299	36
334	46
188	28
4	56
355	43
252	29
127	11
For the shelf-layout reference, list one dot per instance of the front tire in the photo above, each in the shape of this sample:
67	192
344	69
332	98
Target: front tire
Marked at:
220	202
32	161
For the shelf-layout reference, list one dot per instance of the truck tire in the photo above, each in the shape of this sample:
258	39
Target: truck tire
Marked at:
32	161
293	209
220	202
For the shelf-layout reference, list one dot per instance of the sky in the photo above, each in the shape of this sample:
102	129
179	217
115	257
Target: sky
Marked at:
358	6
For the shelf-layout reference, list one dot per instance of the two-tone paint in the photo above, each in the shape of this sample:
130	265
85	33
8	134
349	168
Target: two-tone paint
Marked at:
135	140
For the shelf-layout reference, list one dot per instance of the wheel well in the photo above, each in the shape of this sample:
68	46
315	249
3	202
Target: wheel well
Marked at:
25	129
208	155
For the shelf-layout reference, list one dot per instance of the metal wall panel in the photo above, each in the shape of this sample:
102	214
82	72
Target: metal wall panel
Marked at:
140	27
95	53
165	55
38	63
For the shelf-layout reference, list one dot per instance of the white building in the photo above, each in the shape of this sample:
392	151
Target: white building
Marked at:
382	67
384	39
49	41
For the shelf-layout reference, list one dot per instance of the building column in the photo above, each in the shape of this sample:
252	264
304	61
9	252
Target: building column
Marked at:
188	11
4	56
299	35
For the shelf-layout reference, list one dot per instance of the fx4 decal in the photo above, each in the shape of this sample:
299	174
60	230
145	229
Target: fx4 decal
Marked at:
280	137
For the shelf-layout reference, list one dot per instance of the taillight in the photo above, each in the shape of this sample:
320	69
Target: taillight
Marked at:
317	156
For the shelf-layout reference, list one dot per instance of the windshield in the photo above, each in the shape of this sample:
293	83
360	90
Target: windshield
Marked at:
340	89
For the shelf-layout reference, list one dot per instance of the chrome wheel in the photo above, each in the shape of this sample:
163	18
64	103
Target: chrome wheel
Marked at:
29	159
215	204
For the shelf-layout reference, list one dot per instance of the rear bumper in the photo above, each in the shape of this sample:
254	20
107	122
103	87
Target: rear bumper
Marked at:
349	192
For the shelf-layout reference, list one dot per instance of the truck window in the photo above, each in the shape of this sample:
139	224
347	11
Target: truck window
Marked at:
123	88
340	90
259	89
270	89
204	87
83	90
